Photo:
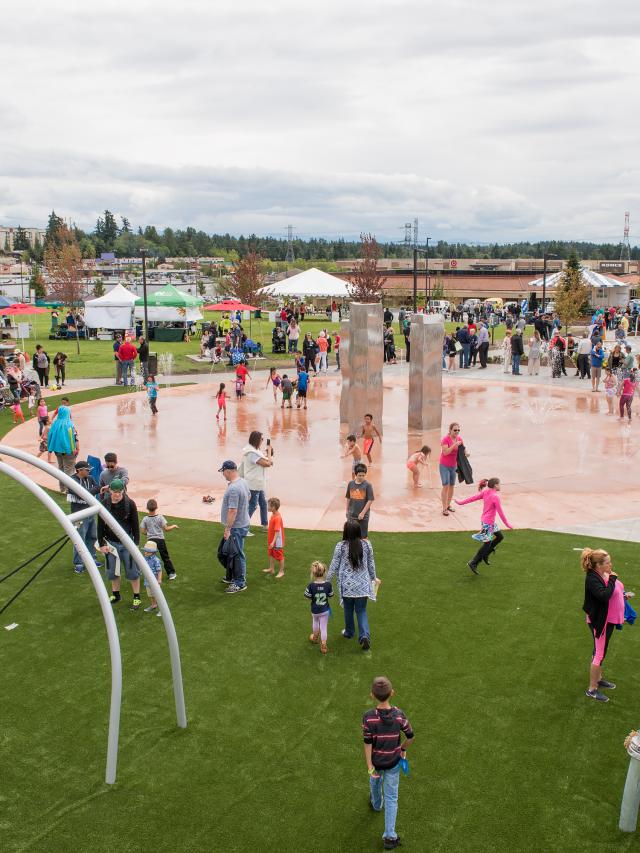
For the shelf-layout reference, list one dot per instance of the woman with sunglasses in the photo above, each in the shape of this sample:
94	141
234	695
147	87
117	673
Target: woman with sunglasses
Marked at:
448	465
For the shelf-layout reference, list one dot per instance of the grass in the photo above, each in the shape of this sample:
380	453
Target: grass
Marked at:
491	670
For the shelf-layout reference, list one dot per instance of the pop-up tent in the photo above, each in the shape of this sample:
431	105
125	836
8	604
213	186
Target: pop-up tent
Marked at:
170	305
311	282
114	310
605	291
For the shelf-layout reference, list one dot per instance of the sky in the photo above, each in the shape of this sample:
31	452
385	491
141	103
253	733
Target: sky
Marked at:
489	121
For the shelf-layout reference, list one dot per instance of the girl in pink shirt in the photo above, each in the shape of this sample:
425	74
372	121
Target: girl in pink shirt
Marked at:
490	535
628	390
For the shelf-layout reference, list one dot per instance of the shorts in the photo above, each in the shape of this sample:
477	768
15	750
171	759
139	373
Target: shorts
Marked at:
601	643
131	570
596	372
302	394
412	466
286	395
610	392
158	577
367	444
276	553
447	475
363	522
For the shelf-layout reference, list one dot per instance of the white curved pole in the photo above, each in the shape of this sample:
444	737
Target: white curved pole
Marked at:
105	604
109	520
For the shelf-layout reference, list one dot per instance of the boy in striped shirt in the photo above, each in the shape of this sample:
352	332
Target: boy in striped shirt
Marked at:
383	727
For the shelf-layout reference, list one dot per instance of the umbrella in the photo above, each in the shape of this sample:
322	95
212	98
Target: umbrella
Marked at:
230	305
21	308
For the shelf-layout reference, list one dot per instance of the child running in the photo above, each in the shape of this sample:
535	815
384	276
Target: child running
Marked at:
239	387
18	414
152	393
610	385
489	535
319	591
287	392
44	434
275	539
221	400
149	553
274	379
352	449
155	525
369	431
420	457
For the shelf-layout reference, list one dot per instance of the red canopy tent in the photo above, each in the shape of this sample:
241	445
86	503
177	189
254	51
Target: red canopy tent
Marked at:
230	305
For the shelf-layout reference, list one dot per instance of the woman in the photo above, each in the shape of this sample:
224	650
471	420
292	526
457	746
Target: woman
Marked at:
63	441
59	362
355	571
557	347
41	365
604	605
535	349
309	352
506	352
448	465
253	470
616	362
451	352
489	535
293	333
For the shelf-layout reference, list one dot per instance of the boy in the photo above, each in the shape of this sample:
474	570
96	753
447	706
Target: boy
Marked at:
353	450
154	525
303	384
87	528
359	498
150	553
369	430
382	728
287	391
275	538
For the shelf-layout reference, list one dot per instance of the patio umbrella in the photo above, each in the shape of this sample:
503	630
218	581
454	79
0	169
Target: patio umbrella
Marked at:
22	309
230	305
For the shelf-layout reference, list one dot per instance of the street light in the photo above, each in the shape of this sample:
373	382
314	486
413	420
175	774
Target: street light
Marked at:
545	257
426	276
143	252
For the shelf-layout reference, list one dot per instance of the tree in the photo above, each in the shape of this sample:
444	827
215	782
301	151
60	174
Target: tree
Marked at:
126	226
246	279
55	227
64	265
20	240
571	292
98	288
36	282
366	282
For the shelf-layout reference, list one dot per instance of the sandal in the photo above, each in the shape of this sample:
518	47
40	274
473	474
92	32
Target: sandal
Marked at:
445	512
451	509
207	499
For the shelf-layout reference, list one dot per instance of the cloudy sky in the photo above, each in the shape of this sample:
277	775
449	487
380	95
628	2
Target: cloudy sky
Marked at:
487	119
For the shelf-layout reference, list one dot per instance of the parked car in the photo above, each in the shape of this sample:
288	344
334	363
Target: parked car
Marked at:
470	304
442	306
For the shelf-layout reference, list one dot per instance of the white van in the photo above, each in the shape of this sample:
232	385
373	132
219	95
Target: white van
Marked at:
442	306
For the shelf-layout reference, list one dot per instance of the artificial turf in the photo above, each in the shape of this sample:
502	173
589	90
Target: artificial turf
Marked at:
491	670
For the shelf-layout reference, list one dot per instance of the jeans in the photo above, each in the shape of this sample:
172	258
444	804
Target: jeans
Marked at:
118	371
323	361
464	355
384	793
240	534
359	605
127	371
337	359
88	531
515	362
293	345
258	497
144	367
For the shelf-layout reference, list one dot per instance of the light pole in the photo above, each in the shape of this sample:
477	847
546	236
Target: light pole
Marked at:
545	257
417	252
143	252
427	293
415	281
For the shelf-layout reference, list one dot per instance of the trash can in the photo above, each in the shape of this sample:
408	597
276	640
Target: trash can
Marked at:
257	314
153	363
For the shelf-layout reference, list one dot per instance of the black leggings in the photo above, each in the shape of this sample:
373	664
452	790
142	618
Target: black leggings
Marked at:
60	374
310	360
164	556
43	376
488	547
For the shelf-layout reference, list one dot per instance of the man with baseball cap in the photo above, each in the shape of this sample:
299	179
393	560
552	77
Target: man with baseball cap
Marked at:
234	514
87	528
125	512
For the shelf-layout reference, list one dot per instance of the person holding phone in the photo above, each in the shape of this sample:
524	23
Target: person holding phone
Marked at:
253	470
448	465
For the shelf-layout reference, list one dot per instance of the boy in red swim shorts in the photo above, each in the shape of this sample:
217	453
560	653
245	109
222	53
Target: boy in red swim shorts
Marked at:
368	433
275	539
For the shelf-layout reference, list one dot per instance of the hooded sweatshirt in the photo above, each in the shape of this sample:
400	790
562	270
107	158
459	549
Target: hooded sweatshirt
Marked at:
382	728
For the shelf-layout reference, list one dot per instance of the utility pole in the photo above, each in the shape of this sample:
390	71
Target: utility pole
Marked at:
427	289
143	252
415	280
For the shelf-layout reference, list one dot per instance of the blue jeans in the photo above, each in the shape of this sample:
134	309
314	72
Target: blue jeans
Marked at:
88	531
259	497
465	355
515	360
384	793
240	534
359	605
127	371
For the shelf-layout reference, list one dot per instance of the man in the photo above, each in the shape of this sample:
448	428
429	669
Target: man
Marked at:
401	315
234	514
116	346
387	316
597	357
127	354
87	528
125	512
517	351
540	326
143	355
483	345
112	471
464	338
584	356
629	362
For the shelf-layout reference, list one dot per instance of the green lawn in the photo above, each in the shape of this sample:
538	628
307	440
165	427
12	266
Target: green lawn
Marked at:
491	670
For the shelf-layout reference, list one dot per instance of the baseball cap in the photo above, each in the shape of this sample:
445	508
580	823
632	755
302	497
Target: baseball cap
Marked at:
116	485
151	547
82	464
228	465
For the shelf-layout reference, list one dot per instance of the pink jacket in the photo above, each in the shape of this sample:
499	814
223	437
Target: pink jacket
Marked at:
492	506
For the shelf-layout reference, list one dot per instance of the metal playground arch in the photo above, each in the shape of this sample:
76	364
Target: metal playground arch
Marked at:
67	523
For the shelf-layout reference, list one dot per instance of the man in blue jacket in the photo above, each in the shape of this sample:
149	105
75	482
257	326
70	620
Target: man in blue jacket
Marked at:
463	337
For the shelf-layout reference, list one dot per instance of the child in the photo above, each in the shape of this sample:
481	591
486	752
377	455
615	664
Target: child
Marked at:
152	393
490	535
32	402
42	447
275	380
359	498
610	384
384	749
43	415
420	457
275	539
287	391
149	553
155	525
221	400
239	387
303	384
628	390
369	430
18	414
319	591
353	450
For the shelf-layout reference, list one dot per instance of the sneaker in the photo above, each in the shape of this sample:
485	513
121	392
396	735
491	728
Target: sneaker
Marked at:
606	685
366	644
114	599
173	576
313	638
150	609
136	605
595	694
473	567
159	613
250	534
344	634
323	648
234	588
79	570
392	843
225	580
485	560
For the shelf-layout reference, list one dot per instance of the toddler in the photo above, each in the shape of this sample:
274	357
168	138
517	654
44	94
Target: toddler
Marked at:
319	591
32	402
275	539
44	434
18	414
152	393
154	525
610	385
420	457
239	387
149	552
287	391
221	400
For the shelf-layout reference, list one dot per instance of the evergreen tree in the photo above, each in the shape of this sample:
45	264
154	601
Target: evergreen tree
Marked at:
571	293
55	229
20	240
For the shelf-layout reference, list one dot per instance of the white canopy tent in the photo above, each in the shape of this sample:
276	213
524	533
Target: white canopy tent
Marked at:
169	314
114	310
605	291
309	283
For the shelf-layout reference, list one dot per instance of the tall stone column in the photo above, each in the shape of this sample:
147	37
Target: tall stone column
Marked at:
345	371
362	367
425	372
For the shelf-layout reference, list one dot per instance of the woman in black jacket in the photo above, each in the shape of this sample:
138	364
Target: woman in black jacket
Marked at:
604	606
309	350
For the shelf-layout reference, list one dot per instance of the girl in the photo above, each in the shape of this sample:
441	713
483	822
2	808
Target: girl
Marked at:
221	400
152	393
275	380
628	390
18	414
506	352
32	401
59	363
239	387
420	457
44	433
610	385
319	591
451	352
43	415
535	349
488	492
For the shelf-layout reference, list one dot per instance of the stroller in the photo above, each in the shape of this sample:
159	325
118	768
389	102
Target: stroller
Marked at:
278	340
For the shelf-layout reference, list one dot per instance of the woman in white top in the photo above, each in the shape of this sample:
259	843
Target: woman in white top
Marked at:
293	333
253	469
535	348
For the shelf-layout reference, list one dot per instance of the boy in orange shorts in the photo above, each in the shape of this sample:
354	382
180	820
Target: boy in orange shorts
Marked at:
369	431
275	539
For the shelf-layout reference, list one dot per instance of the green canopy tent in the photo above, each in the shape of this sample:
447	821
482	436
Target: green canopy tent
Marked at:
169	305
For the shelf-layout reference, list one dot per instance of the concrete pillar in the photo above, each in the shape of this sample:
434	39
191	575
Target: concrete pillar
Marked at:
345	371
362	367
425	372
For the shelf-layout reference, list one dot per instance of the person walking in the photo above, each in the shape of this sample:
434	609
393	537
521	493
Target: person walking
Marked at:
253	469
59	363
489	535
597	357
584	356
40	364
355	570
483	345
309	350
63	441
517	351
464	339
535	349
234	514
87	528
293	333
448	465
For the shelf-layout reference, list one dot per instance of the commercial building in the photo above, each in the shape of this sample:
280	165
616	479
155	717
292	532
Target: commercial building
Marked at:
7	235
